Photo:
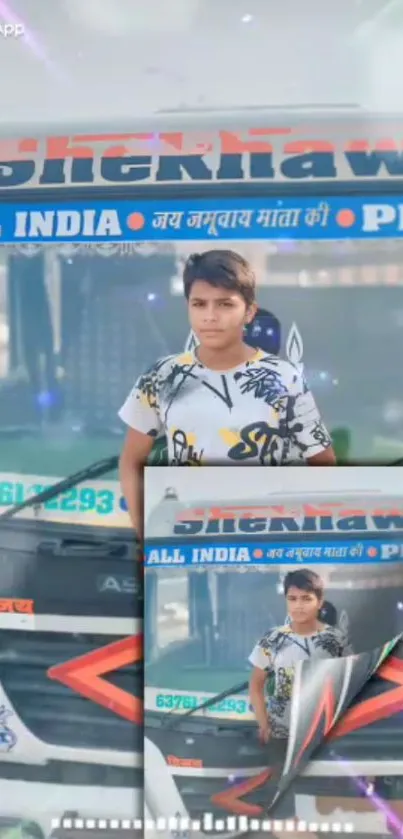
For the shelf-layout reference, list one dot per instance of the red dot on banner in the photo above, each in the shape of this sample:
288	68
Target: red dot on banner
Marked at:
345	218
135	221
372	551
258	553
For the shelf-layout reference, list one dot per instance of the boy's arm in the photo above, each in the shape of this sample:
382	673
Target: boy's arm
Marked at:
135	452
261	661
306	426
141	415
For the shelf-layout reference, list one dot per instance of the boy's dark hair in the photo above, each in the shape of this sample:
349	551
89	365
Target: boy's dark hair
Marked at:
221	269
305	580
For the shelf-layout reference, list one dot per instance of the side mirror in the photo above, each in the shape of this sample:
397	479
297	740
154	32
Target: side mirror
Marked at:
264	332
328	614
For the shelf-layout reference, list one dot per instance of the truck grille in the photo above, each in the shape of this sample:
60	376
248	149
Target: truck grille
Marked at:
71	569
86	579
54	713
197	740
215	746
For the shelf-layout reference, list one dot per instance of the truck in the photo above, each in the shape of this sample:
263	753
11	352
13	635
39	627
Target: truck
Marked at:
95	229
213	586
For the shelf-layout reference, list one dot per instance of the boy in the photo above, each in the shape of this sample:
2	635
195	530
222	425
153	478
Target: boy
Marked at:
225	402
305	636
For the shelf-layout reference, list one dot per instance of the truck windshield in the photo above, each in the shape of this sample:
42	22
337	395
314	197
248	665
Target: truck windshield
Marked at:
199	640
79	323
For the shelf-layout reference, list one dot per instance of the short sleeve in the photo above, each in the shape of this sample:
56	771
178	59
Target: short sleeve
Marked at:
306	428
141	409
261	657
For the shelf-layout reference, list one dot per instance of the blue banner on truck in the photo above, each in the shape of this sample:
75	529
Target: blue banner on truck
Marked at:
212	219
266	552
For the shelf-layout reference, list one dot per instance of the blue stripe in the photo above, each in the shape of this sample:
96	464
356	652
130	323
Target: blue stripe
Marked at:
337	217
271	553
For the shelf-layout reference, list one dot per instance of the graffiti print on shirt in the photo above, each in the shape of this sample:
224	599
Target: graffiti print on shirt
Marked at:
148	386
258	441
320	435
185	377
261	412
184	452
265	384
279	651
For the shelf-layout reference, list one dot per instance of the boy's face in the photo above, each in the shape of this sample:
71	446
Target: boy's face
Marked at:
303	606
217	315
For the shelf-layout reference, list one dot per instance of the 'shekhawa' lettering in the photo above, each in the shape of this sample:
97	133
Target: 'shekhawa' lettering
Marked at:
290	524
254	155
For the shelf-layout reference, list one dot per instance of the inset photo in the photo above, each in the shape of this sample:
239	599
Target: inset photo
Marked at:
250	572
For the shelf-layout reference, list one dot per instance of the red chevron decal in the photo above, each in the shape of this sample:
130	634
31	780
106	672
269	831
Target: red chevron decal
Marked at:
84	676
380	707
323	718
231	799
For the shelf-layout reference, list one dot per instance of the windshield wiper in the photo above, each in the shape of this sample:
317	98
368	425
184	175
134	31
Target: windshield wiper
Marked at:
172	720
96	470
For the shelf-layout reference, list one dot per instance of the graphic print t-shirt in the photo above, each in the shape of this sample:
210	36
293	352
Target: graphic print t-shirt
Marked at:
279	651
260	412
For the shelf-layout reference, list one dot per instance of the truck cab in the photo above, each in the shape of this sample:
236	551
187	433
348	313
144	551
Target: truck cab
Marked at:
86	306
206	605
